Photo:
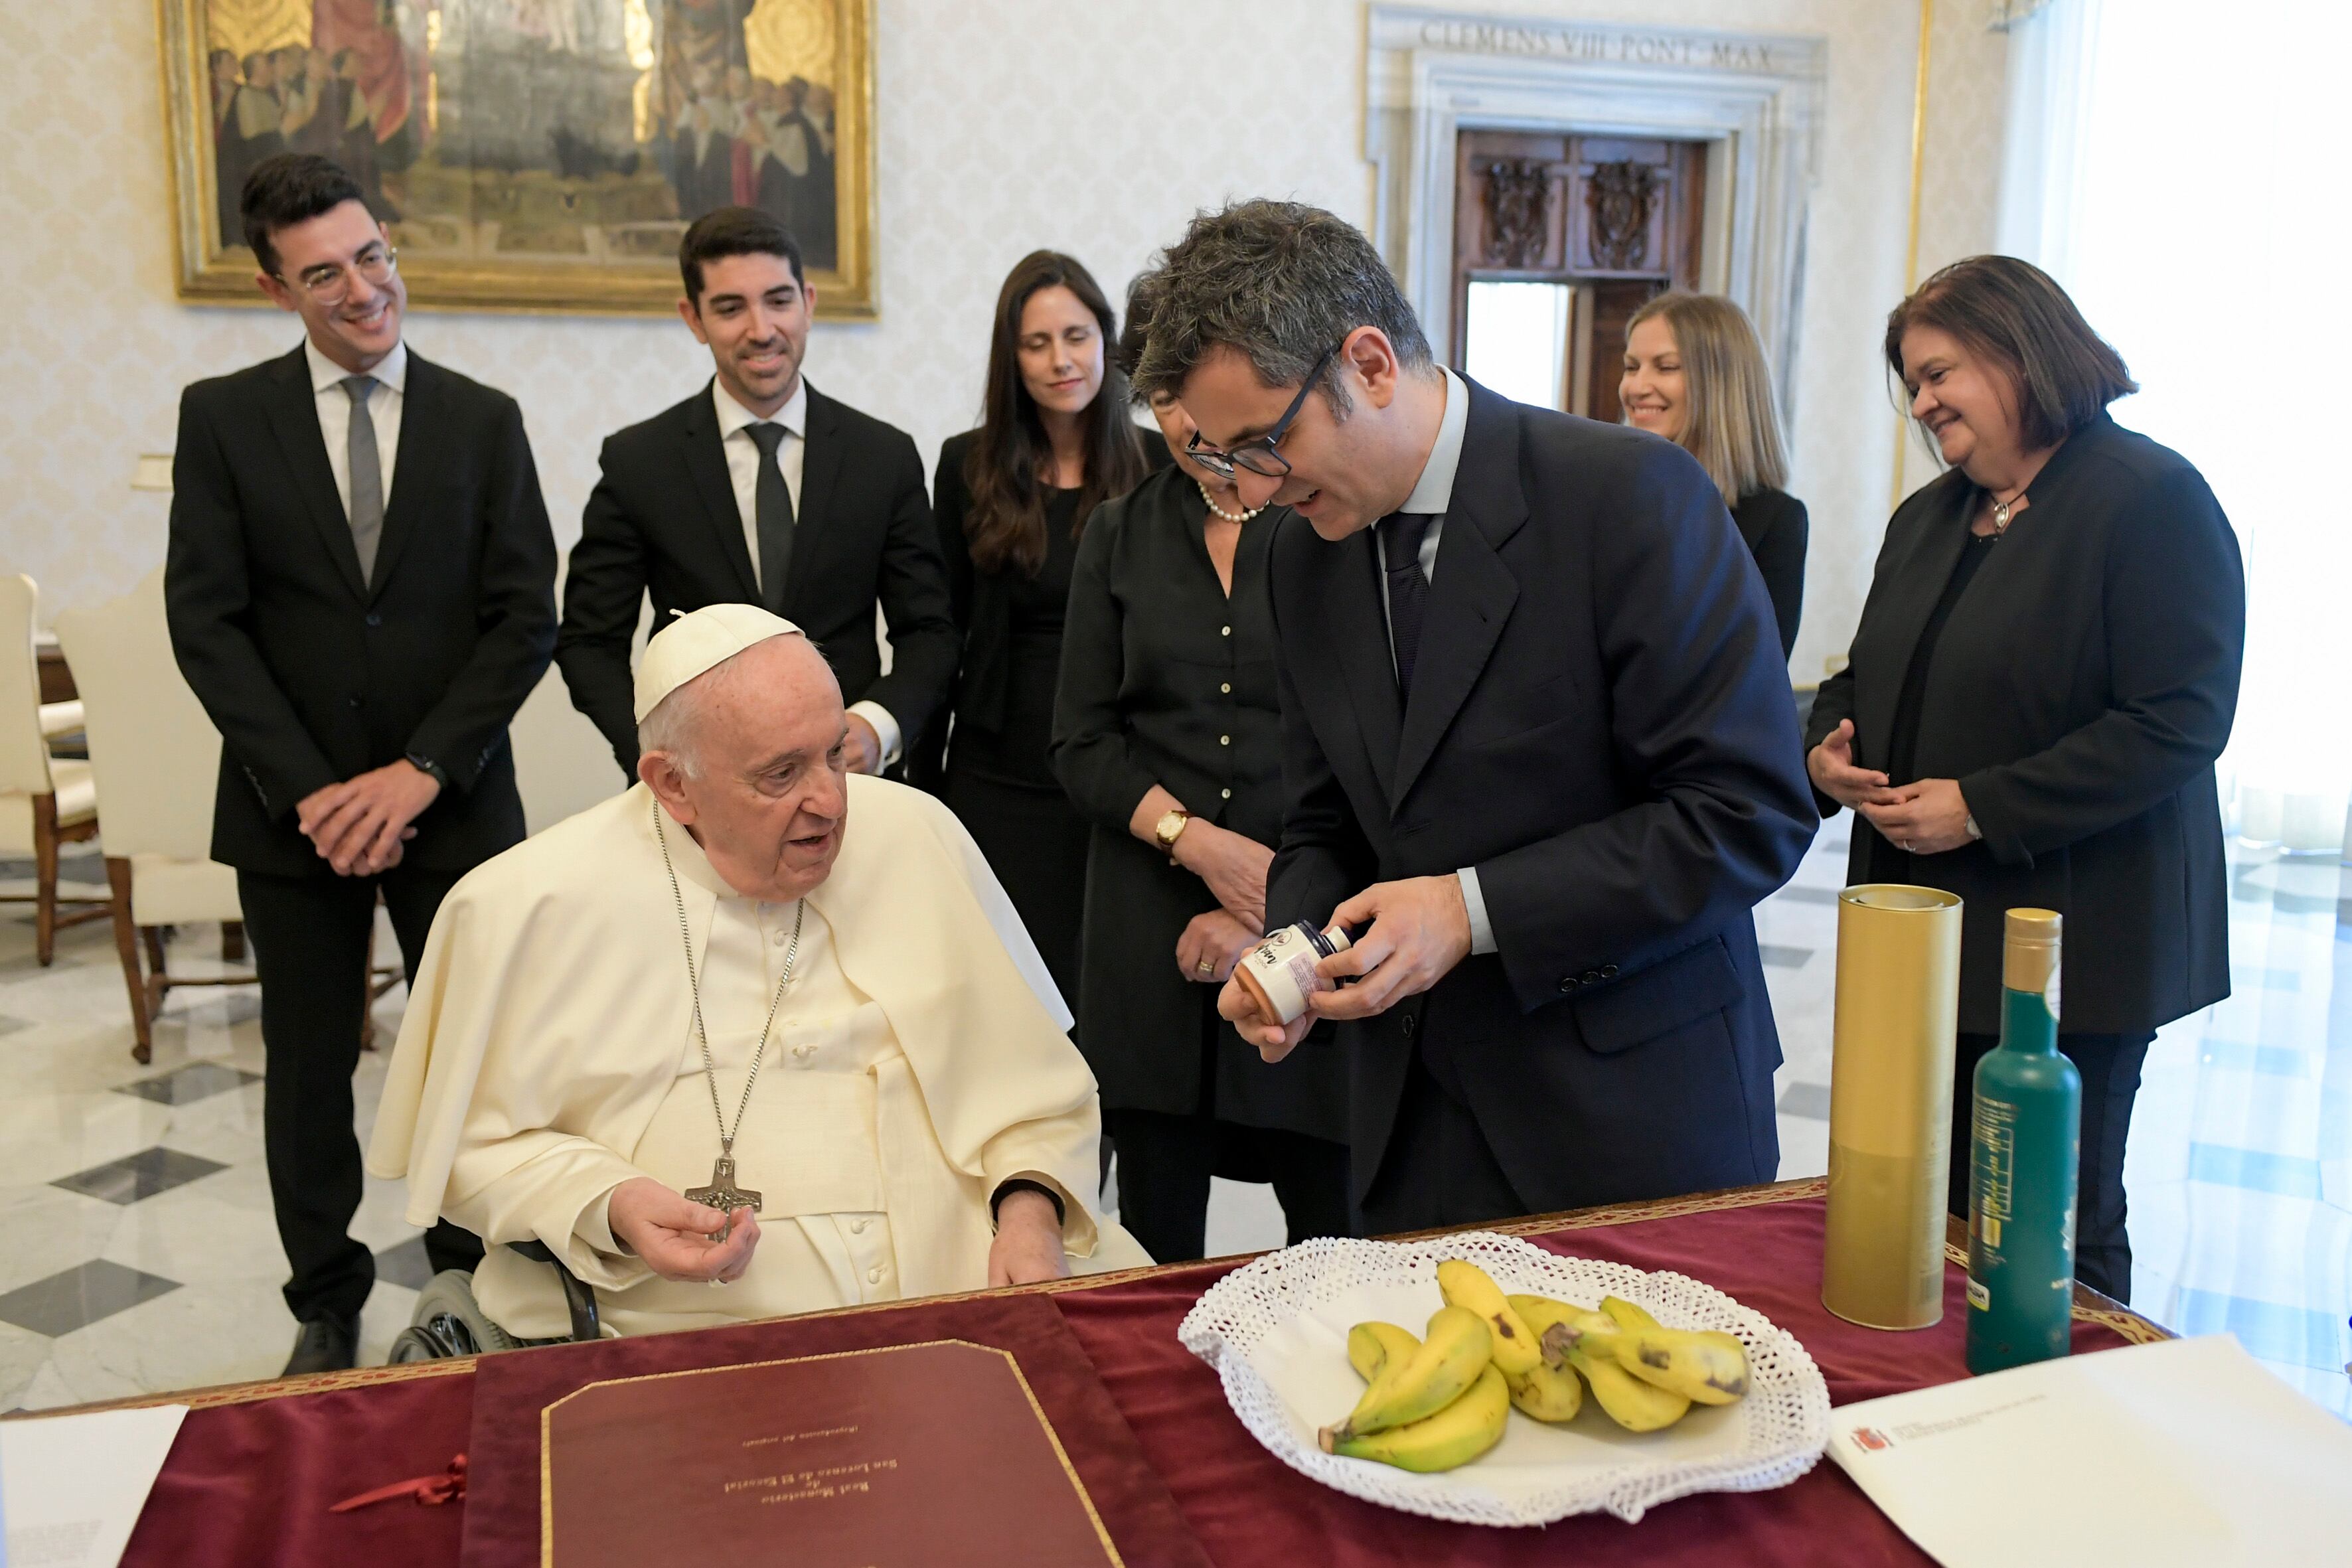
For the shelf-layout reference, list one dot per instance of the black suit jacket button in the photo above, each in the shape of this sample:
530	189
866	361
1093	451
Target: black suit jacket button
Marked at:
1566	982
374	619
1407	1026
1608	971
1593	977
352	700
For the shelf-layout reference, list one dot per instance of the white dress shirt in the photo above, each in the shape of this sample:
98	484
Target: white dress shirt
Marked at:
735	423
335	414
1431	494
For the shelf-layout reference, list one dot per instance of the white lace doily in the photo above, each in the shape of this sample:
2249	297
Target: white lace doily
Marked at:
1276	1332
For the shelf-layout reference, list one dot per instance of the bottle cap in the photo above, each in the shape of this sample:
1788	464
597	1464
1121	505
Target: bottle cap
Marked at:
2029	950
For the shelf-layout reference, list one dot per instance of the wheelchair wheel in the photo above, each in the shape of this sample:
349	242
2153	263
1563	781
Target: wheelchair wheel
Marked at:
448	1321
414	1345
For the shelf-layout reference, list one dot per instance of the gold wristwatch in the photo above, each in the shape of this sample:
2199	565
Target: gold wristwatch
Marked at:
1169	828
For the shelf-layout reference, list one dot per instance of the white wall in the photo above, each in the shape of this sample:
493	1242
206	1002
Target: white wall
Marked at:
1094	126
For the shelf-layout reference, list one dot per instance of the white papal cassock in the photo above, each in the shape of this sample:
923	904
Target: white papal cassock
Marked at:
919	1061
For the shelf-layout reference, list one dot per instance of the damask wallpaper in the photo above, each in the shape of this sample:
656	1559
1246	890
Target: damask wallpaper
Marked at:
1094	126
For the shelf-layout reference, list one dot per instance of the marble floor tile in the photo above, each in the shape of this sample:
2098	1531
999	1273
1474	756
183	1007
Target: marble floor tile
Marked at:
135	1177
22	1354
79	1297
43	1228
1811	1100
186	1085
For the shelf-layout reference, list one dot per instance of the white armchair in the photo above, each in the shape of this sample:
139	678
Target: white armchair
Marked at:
155	756
45	801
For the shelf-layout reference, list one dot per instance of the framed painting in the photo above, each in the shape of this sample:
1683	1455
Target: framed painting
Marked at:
532	156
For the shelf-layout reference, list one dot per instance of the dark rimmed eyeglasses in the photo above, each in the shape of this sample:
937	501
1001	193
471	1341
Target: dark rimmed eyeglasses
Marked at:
1259	456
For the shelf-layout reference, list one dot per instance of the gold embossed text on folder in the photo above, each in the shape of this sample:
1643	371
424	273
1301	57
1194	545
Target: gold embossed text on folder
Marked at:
899	1457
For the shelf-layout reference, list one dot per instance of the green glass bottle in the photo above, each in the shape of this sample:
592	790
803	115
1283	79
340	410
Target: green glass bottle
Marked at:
2026	1133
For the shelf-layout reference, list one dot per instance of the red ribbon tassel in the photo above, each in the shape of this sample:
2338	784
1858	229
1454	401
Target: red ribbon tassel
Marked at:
431	1492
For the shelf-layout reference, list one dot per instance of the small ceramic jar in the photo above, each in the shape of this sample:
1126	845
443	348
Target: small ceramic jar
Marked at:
1279	973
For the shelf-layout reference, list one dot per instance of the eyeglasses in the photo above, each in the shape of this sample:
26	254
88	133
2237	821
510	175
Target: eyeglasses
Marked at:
1259	456
329	281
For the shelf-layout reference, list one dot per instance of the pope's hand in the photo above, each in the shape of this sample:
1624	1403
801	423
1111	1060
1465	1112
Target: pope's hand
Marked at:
673	1235
1028	1245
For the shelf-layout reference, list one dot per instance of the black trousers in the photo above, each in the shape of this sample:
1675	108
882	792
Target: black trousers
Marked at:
2110	1065
1165	1162
309	941
1439	1169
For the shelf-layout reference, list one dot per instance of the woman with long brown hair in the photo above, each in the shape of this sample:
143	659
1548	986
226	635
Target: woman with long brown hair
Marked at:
1011	498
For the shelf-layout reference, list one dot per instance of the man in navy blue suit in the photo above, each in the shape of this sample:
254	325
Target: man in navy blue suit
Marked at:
1538	745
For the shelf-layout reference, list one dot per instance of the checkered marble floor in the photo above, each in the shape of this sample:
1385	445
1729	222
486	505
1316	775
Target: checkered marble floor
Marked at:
137	1251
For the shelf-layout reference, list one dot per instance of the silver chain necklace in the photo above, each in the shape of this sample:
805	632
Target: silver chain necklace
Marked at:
722	1194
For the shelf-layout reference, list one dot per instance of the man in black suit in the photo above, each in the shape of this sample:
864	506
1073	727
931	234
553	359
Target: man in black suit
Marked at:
1538	743
761	489
360	588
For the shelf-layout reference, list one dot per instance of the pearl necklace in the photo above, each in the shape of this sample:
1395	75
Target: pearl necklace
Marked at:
1229	516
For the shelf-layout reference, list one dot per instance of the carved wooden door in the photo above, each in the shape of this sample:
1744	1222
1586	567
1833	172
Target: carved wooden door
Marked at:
1558	239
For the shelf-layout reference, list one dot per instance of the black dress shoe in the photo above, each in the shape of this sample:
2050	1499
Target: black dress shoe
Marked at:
324	1345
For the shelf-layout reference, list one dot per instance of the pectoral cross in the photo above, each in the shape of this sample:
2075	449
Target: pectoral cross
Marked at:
724	1196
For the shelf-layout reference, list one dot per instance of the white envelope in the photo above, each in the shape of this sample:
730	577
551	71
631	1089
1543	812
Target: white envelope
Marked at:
2186	1452
71	1487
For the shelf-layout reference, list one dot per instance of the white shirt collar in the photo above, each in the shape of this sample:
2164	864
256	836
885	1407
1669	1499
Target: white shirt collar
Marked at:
1434	493
734	416
391	371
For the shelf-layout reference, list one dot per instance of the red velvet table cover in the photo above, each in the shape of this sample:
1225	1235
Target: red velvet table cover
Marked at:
502	1504
250	1480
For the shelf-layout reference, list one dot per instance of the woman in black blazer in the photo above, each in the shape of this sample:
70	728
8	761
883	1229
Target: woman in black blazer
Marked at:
2046	670
1694	373
1167	734
1010	498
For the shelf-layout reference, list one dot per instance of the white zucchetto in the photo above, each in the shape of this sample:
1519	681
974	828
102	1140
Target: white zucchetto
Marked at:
695	644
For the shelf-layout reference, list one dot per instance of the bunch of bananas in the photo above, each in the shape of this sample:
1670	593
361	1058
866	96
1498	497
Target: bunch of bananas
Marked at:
1439	1402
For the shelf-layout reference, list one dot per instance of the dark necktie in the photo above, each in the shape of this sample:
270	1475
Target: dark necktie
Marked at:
1401	536
365	467
772	507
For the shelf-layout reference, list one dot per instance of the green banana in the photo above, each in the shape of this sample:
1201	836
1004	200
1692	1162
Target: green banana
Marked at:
1468	1286
1449	1360
1452	1436
1372	1347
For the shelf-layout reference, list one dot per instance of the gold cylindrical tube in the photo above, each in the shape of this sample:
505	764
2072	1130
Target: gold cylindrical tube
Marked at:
1898	990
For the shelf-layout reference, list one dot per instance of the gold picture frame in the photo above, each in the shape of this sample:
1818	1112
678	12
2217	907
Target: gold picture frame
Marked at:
592	131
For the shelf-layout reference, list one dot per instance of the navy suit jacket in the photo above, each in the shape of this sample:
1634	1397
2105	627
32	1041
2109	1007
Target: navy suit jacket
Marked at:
1601	723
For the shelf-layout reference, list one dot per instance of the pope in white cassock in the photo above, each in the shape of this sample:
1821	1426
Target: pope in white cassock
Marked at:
877	1049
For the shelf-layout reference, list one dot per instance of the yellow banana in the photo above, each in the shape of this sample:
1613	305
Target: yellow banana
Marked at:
1703	1367
1568	1335
1633	1404
1454	1436
1547	1393
1468	1286
1626	1315
1373	1347
1449	1360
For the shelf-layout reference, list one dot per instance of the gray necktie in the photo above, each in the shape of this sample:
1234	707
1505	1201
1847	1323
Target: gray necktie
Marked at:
366	469
772	513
